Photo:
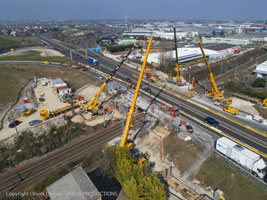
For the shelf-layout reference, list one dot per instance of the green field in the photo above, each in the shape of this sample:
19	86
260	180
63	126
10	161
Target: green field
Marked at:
35	56
216	174
8	43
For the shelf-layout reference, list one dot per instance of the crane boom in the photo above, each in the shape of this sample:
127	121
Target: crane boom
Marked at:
176	56
92	105
131	111
215	91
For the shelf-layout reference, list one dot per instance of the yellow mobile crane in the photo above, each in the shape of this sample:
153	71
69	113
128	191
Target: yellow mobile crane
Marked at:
215	93
93	104
131	110
178	78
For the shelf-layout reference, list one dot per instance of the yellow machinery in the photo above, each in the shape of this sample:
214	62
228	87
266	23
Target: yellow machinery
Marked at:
46	62
178	78
93	104
27	113
264	103
45	114
231	110
131	110
215	93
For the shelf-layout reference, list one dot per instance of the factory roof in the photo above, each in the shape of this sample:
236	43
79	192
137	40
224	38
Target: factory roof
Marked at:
219	47
76	185
261	68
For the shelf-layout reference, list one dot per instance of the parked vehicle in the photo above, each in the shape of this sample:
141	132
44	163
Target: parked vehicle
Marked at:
93	61
84	68
231	110
33	122
211	121
242	156
14	123
175	111
41	99
27	112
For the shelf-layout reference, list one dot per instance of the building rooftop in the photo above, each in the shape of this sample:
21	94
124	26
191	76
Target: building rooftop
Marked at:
219	47
76	185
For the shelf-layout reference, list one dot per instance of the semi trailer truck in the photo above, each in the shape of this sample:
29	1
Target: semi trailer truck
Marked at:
242	156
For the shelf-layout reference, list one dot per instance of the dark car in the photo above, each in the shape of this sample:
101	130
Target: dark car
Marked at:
33	122
212	121
14	123
147	89
41	99
128	80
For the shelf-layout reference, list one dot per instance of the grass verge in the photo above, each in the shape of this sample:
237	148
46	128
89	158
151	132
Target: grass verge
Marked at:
235	187
35	56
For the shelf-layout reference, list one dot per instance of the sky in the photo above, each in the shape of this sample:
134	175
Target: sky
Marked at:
135	9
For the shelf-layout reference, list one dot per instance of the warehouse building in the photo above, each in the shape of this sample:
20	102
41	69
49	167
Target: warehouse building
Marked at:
225	40
261	70
76	185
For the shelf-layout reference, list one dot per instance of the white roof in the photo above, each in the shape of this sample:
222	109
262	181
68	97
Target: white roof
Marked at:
76	185
261	68
155	57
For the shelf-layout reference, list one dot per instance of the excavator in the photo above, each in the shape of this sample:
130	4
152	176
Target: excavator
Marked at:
215	93
93	104
124	139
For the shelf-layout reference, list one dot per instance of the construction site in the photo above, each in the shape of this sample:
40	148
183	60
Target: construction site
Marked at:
170	123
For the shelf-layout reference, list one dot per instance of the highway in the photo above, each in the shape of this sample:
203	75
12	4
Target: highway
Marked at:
252	139
24	176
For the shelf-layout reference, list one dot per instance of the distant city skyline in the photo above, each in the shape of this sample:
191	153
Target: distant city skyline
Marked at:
137	9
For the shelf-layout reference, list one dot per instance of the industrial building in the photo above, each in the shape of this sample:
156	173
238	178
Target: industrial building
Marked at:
60	86
225	40
224	49
76	185
160	34
261	70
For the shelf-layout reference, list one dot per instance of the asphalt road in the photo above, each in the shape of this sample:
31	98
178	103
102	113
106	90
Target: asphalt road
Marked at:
253	139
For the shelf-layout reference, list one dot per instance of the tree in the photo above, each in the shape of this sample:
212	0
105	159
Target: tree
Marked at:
213	33
136	182
259	82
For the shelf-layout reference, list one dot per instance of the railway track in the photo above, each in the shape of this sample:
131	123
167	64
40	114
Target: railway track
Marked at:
15	180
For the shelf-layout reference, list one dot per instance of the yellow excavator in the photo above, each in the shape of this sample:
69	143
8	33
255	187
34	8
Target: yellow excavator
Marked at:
93	104
215	93
124	139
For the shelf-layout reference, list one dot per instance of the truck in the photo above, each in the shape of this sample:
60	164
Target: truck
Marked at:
174	111
231	110
248	159
93	61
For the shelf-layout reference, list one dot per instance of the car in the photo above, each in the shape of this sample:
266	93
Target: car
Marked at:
14	123
128	80
147	89
84	68
33	122
41	99
211	121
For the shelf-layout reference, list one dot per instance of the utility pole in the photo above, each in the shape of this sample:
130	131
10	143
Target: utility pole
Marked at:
70	55
221	68
85	53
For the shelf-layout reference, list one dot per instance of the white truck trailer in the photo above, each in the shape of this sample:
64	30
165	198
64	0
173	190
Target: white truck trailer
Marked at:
243	156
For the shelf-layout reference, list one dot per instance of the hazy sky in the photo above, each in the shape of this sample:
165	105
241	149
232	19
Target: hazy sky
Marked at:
135	9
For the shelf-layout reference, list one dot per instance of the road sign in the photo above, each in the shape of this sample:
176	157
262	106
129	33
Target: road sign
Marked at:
92	49
98	48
